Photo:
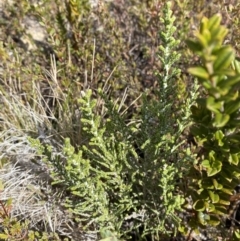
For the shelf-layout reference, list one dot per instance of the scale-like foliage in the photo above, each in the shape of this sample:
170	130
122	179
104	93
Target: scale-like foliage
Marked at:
129	171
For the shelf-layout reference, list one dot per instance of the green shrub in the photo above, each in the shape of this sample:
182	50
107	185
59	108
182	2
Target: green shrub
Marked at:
216	171
129	170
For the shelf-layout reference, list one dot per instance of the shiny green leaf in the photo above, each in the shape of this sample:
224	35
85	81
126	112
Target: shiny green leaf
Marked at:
206	35
237	234
210	208
232	107
204	24
203	218
219	137
227	191
231	81
214	22
236	66
225	57
202	39
221	120
219	35
199	205
213	196
224	202
217	185
199	72
206	164
212	171
214	221
233	159
220	209
213	105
